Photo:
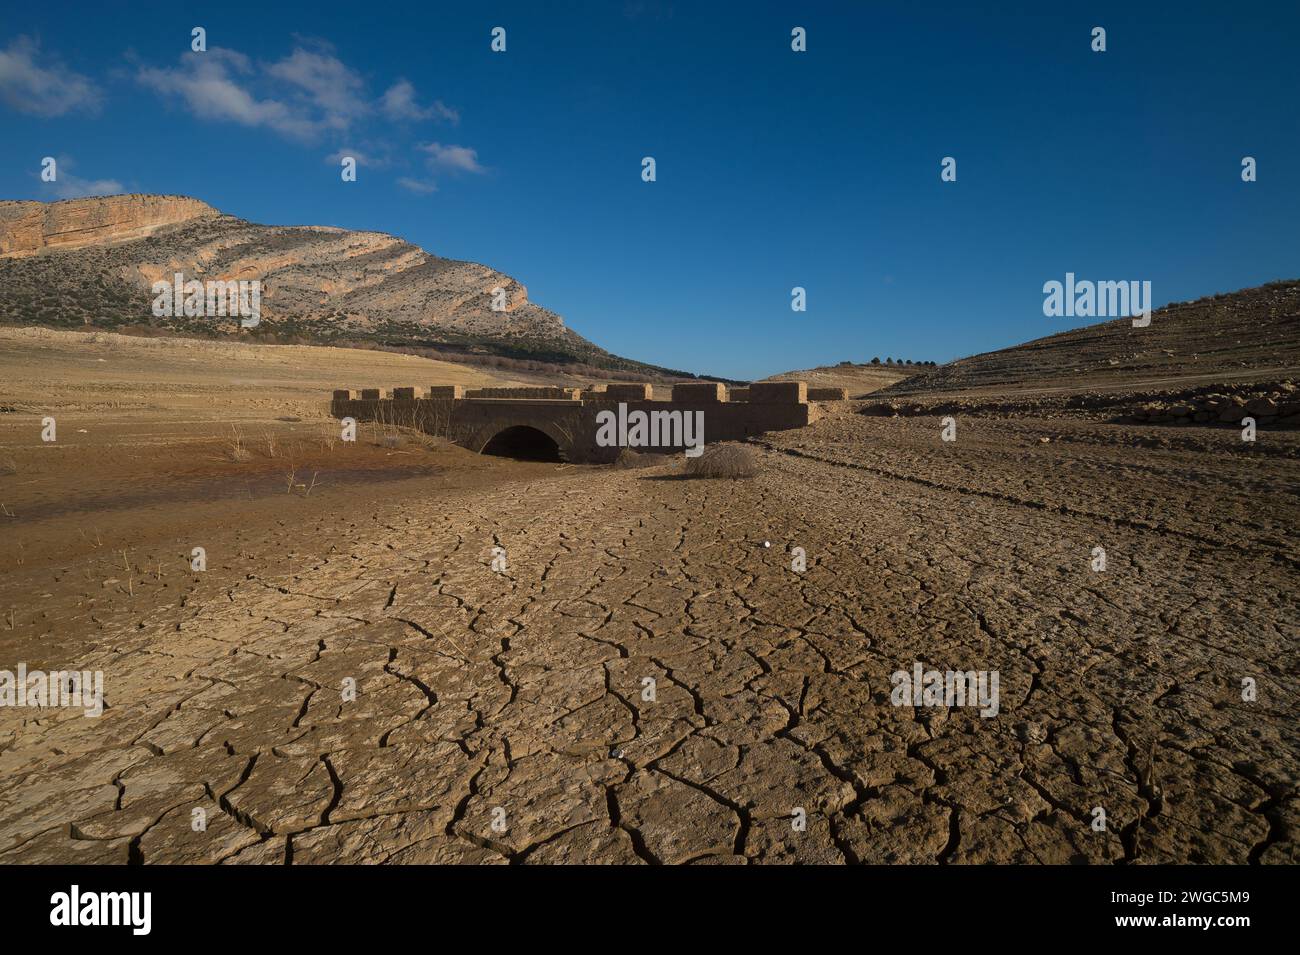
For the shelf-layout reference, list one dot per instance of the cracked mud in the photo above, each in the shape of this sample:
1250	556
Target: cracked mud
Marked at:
507	716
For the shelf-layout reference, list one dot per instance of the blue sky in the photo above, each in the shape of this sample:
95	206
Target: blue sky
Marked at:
775	169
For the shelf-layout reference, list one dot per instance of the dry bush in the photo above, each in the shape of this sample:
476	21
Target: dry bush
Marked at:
235	449
723	461
430	442
402	436
628	460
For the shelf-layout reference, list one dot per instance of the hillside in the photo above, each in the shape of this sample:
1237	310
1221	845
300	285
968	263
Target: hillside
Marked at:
1247	335
92	262
857	380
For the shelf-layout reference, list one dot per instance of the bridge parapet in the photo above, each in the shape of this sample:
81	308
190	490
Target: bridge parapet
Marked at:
627	392
567	394
573	419
700	391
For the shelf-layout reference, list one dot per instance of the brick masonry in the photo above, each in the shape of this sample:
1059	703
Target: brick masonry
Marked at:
828	394
570	421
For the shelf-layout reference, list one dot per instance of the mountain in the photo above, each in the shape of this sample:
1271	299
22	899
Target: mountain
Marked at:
1247	335
94	261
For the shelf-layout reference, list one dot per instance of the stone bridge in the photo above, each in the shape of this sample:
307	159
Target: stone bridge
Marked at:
566	423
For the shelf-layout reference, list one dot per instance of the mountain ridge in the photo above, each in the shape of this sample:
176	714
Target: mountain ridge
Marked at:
93	262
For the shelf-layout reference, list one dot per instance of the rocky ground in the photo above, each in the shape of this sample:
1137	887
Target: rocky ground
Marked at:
639	673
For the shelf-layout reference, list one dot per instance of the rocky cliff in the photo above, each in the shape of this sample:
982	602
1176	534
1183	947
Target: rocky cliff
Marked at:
29	227
94	261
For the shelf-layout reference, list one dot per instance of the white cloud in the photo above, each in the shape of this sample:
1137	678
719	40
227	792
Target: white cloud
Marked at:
364	157
312	95
49	90
418	186
457	158
326	83
73	187
68	186
399	103
208	84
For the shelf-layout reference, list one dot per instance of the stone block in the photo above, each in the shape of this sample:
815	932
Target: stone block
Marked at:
697	392
828	394
629	392
778	392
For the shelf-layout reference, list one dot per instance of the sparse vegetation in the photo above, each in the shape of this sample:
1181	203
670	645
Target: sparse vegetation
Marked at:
629	459
733	461
235	449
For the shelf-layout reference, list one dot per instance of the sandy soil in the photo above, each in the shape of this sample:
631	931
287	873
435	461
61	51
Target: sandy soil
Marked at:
504	715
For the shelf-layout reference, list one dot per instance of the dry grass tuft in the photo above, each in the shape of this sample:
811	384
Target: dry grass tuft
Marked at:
723	461
628	460
235	449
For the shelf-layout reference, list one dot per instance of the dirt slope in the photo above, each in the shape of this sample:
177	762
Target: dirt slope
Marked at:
1246	335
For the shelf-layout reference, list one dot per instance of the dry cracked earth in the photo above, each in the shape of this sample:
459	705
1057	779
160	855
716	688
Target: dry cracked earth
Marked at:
504	716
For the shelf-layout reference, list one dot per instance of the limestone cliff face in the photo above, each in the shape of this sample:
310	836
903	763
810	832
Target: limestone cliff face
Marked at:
28	227
94	261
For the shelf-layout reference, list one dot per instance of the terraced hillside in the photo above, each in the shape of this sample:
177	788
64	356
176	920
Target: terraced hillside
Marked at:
1248	335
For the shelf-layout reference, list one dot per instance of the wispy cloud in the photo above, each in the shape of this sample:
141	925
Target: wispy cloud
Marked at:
420	187
454	158
48	89
364	157
68	186
214	87
324	82
310	95
399	103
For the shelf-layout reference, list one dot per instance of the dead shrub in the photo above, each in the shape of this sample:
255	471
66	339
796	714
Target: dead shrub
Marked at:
235	449
629	460
723	461
430	442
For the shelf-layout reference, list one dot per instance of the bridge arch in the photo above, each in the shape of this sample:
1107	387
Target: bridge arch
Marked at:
530	439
